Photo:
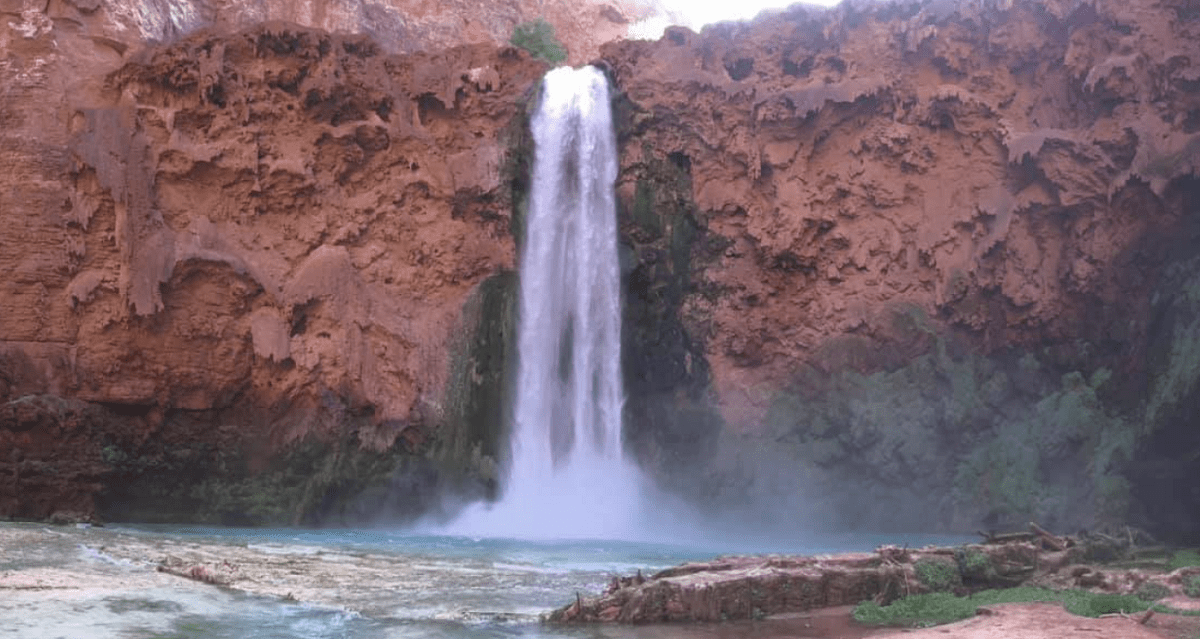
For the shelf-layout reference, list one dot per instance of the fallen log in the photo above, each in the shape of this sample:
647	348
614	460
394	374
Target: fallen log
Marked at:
1054	542
1007	538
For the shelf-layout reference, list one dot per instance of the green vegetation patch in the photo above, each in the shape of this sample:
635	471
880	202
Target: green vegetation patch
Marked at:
975	565
942	607
538	38
1151	591
917	610
1087	604
1191	586
958	416
937	575
1184	559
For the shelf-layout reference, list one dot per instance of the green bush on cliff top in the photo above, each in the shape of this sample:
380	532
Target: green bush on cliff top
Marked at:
537	37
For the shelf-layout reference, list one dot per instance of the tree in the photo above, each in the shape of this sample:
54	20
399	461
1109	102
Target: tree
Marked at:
537	37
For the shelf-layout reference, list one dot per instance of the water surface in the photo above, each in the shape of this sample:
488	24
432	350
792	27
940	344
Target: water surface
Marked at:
355	583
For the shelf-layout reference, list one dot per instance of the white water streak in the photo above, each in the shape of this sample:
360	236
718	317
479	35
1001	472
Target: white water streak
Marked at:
569	476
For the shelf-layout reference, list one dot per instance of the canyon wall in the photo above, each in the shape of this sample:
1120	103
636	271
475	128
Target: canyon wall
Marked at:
921	265
914	258
247	272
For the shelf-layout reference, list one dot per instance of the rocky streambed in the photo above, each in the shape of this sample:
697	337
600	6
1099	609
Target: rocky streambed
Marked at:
145	582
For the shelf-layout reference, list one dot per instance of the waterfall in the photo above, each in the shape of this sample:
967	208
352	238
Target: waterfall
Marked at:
568	475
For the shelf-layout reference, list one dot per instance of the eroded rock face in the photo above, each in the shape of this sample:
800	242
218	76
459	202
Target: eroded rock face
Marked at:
732	588
258	245
892	265
916	246
398	26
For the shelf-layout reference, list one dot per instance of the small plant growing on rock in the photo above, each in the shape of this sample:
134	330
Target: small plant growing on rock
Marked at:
1151	591
975	566
942	607
1086	604
1184	559
537	37
1191	586
917	610
938	576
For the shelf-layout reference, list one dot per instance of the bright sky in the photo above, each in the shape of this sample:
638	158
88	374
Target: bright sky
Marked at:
697	13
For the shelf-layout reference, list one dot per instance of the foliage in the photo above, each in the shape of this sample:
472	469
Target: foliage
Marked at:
1064	421
1151	591
916	610
1087	604
204	484
1184	559
1191	586
1174	381
113	455
975	565
942	607
538	38
643	209
937	575
1005	439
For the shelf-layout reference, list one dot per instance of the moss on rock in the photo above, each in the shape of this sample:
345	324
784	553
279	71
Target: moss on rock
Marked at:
957	437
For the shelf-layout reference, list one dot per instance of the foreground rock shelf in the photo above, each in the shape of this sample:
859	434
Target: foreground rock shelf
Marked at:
733	588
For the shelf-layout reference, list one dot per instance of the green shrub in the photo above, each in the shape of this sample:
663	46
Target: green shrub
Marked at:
937	575
975	561
916	610
1151	591
1184	559
975	565
1191	586
943	607
537	37
1087	604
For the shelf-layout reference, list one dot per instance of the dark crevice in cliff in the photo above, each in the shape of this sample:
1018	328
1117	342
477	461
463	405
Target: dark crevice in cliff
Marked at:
670	425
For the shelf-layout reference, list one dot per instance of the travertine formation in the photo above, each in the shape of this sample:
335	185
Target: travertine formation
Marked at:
733	588
989	164
241	241
917	252
904	264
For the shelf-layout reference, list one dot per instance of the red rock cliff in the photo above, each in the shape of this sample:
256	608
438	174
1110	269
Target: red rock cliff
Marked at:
263	236
912	243
915	264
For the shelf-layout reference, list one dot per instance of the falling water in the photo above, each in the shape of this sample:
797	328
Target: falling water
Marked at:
568	475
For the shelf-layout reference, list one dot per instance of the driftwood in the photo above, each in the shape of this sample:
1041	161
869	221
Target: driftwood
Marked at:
222	574
1036	534
1055	543
1007	538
